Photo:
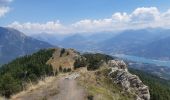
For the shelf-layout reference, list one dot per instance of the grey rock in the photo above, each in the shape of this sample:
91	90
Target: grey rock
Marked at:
129	82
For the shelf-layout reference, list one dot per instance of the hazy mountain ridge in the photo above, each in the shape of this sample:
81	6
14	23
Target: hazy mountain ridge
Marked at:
156	49
143	42
14	43
130	42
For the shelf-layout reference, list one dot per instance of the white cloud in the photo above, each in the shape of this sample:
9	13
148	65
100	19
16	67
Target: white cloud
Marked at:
91	25
49	27
4	10
121	17
145	14
140	18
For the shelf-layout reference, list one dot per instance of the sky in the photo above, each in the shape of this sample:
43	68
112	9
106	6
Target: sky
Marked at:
83	16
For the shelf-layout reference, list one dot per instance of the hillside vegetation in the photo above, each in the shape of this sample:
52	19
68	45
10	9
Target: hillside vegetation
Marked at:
92	61
29	69
159	88
15	75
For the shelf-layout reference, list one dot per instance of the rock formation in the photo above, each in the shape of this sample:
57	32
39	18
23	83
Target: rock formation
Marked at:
131	83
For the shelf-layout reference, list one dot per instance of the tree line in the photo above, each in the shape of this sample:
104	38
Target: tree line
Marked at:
30	68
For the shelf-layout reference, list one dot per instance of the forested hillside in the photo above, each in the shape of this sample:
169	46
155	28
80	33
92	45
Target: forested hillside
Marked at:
15	75
92	61
159	88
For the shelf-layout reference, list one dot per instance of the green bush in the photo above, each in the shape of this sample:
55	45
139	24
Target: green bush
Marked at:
60	69
80	63
69	70
64	70
9	85
62	52
24	69
95	60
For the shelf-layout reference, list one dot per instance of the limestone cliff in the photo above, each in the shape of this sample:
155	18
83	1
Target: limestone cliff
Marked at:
131	83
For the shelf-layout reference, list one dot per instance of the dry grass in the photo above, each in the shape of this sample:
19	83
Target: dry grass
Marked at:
65	61
2	98
42	84
100	87
95	83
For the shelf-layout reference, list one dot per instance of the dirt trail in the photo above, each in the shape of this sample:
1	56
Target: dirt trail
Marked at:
69	90
62	88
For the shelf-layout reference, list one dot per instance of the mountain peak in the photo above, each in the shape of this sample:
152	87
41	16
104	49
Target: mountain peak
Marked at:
14	43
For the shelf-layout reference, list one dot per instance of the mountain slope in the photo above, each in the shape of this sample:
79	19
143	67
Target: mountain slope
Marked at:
14	44
127	41
159	88
157	49
143	42
98	77
28	70
83	42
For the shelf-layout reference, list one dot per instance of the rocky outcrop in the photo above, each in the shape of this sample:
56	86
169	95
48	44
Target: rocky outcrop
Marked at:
131	83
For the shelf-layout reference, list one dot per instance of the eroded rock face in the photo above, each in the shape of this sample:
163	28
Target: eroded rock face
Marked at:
131	83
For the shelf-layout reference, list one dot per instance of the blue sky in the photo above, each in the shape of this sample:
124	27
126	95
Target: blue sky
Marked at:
71	11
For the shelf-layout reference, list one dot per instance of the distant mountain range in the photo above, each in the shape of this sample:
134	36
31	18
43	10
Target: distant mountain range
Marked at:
156	49
14	43
150	43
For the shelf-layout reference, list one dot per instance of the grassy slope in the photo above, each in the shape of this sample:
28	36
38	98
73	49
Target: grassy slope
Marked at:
100	87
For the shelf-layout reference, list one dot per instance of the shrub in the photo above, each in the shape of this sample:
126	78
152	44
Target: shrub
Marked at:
90	97
94	61
9	85
60	69
23	69
64	70
80	63
69	70
62	52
